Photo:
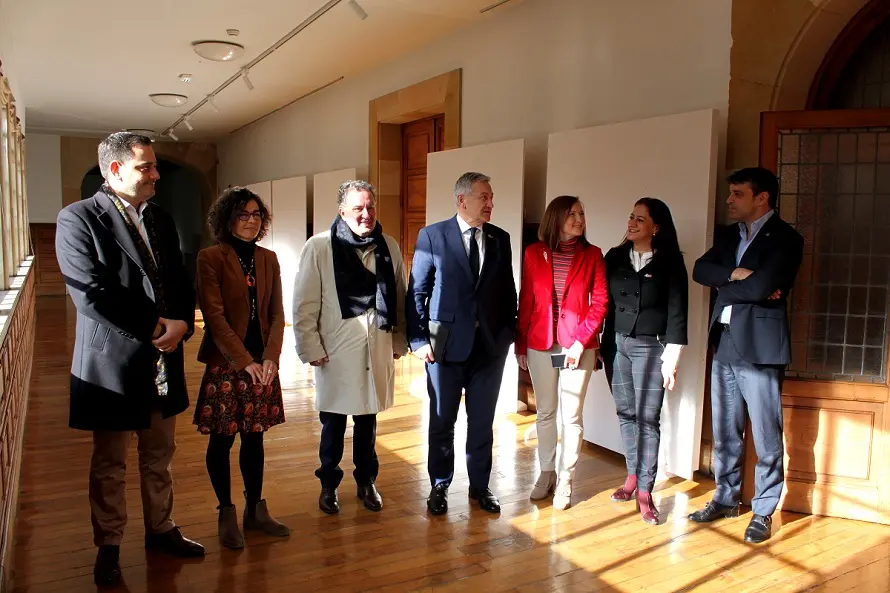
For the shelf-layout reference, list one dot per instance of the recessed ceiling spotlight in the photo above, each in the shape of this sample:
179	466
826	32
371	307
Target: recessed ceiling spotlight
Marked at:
358	10
218	51
169	99
185	77
233	32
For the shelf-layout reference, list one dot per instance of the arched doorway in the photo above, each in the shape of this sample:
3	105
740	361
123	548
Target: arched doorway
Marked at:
833	162
181	192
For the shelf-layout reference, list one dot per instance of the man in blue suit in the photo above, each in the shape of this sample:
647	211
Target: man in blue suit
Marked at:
461	314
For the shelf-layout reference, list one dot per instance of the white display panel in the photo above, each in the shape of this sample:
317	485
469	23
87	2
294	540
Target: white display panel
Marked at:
324	197
503	162
673	158
289	224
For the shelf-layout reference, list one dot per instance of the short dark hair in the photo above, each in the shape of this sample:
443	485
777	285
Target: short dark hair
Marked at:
760	179
554	217
226	209
119	147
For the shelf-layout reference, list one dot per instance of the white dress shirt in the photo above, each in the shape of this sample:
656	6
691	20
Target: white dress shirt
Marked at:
639	261
744	243
136	215
465	236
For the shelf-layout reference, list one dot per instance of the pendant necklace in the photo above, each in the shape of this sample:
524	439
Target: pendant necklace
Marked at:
250	280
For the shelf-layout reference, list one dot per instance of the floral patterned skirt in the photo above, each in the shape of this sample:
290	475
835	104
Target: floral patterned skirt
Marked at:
229	403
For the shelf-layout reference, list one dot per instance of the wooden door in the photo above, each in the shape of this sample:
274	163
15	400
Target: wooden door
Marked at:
834	171
48	276
419	138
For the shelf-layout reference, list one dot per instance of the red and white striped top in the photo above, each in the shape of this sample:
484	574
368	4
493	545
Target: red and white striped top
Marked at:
562	261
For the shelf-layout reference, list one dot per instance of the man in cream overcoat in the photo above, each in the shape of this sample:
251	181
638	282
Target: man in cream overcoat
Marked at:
349	323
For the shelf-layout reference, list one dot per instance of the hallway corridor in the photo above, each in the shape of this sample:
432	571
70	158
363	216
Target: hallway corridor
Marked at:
597	545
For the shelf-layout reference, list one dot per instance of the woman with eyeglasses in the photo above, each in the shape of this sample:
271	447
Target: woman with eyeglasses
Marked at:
239	291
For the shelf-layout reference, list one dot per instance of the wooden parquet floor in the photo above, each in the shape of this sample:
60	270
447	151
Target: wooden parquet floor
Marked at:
597	545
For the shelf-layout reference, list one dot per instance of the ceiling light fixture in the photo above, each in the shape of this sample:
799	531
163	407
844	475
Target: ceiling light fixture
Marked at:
358	10
172	135
185	78
188	124
169	99
141	132
212	103
218	51
245	76
328	6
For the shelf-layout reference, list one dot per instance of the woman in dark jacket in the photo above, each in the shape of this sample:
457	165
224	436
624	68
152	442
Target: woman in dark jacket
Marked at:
645	331
239	290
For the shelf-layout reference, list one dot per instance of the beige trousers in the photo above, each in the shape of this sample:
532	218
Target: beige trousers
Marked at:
108	472
563	390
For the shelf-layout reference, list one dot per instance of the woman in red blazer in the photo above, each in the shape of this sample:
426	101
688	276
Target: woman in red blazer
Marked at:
562	304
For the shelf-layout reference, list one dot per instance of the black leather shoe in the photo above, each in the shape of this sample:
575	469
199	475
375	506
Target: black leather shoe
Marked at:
759	529
107	571
370	496
173	543
714	511
487	501
327	501
437	503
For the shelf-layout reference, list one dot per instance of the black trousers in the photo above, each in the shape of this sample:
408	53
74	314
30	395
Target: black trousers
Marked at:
330	449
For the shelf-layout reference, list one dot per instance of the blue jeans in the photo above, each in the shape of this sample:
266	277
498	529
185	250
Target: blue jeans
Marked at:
735	384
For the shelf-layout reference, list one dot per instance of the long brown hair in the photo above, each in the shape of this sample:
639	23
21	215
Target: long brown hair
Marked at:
555	217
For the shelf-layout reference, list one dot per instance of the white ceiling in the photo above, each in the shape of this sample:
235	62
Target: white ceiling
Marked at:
87	67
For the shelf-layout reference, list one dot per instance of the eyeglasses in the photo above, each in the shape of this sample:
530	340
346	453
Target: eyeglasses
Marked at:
245	216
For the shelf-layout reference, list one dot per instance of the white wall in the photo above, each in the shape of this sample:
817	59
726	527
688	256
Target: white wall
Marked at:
609	167
538	67
264	191
502	161
324	197
44	177
289	222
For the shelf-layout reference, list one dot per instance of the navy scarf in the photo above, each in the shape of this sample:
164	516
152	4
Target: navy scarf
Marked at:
359	289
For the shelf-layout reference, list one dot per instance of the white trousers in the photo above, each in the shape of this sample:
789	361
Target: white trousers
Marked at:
563	390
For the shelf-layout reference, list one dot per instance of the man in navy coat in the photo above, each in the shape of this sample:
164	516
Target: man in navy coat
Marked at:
461	314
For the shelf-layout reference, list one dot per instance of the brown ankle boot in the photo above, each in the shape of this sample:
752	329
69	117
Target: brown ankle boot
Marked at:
230	535
263	521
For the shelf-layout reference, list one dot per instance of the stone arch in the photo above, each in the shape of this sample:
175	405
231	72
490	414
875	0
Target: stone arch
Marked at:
824	29
846	46
175	193
778	50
